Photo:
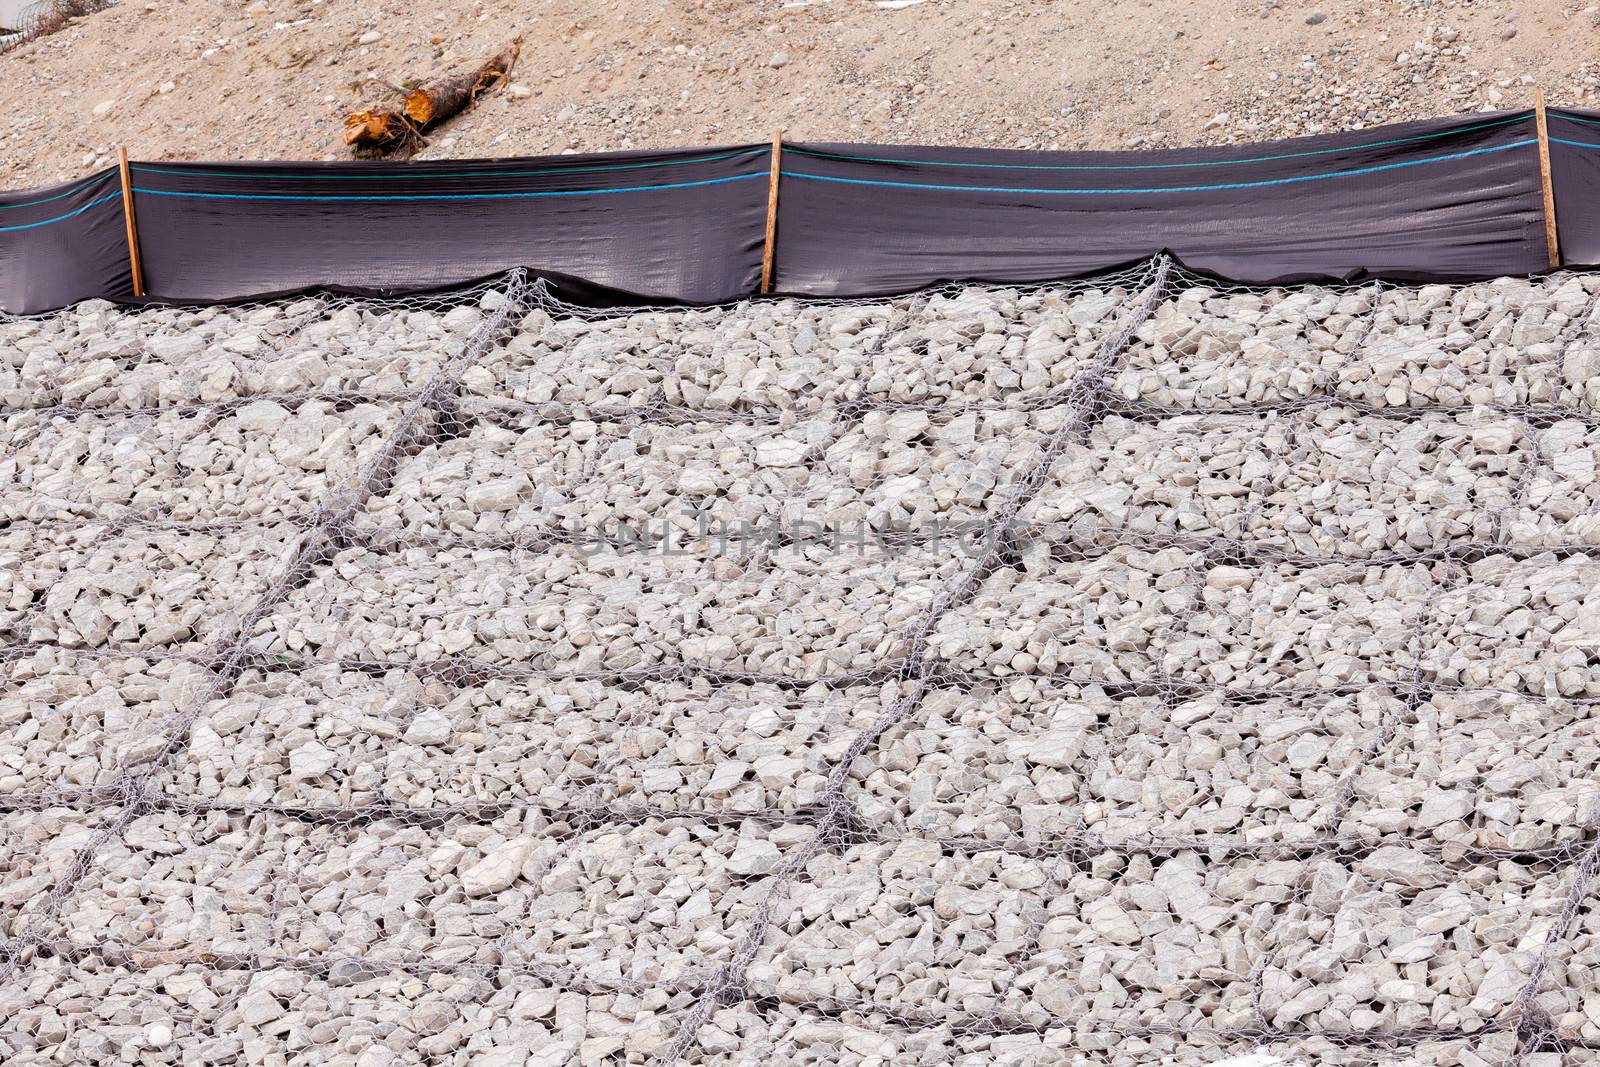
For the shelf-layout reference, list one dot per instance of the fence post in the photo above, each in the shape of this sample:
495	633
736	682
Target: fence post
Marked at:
1552	245
127	217
769	251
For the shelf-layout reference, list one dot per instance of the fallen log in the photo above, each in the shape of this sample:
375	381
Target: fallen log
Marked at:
377	128
385	130
438	100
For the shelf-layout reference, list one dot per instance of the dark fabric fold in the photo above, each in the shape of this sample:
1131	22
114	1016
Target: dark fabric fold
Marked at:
663	225
1442	199
62	244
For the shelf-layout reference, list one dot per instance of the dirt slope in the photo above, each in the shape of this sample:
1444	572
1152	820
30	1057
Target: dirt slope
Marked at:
209	79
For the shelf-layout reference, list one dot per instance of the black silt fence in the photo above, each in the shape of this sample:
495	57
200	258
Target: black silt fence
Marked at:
1443	199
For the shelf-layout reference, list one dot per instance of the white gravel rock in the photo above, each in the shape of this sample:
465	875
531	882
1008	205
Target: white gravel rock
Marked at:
312	760
858	1036
1381	943
651	901
1135	614
553	743
37	849
1328	482
1579	956
143	588
97	356
1508	341
1002	764
1264	772
1498	342
187	467
803	613
1405	938
516	473
498	869
1483	770
73	721
878	911
429	728
1091	835
961	344
1562	502
1530	625
753	857
1211	349
85	1014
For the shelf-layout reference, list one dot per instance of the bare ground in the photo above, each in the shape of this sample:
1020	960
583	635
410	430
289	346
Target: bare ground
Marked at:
209	79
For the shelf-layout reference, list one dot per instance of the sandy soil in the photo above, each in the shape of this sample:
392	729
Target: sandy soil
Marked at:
210	79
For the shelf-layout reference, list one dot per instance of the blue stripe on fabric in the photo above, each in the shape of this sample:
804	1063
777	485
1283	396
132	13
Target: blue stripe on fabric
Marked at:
1574	144
79	187
1148	166
1169	188
422	175
450	196
62	218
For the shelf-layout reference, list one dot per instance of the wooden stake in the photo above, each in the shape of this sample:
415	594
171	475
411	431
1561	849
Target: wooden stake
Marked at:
771	248
127	217
1552	246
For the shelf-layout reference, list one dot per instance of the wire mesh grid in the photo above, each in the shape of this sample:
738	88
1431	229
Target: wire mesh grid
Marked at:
1136	670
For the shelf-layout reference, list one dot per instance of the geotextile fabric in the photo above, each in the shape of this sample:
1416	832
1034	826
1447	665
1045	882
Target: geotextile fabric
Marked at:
1444	199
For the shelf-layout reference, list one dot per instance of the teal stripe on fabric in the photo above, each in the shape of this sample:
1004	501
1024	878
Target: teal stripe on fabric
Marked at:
423	175
1169	188
1572	118
79	187
62	218
449	196
1150	166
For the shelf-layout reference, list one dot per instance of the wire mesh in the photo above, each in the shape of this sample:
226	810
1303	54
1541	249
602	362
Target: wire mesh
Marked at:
1133	670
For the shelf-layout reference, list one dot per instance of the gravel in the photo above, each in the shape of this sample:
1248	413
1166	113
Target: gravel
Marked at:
1580	954
1327	482
1003	764
860	1037
171	589
1136	614
96	356
1266	772
518	474
1483	770
1027	765
416	742
94	1012
1509	341
806	613
1498	342
1214	348
69	721
1276	716
1562	502
37	847
659	901
955	344
1390	940
1519	625
259	460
